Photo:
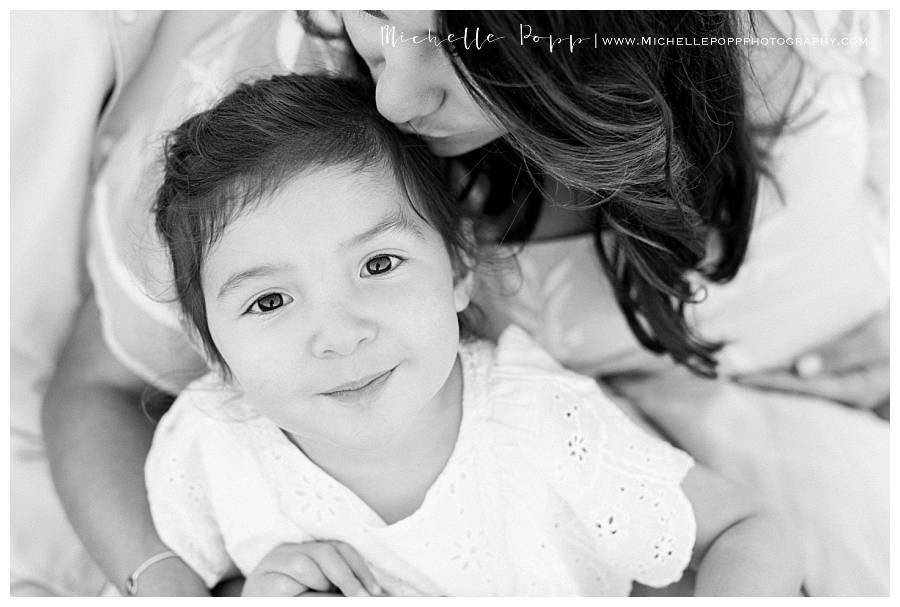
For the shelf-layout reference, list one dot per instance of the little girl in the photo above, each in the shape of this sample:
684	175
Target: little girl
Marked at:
347	437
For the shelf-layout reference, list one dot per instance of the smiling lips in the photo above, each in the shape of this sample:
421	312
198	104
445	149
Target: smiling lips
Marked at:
423	133
363	389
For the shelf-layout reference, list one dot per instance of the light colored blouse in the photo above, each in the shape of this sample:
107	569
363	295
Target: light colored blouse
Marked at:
550	490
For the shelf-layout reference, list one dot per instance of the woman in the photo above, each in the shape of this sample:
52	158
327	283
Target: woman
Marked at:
619	244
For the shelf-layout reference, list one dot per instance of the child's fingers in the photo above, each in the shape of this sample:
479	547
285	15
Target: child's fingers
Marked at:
359	567
305	569
291	569
336	569
287	570
272	583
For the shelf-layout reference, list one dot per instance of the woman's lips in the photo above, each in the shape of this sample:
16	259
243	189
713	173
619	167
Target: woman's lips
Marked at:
363	389
423	133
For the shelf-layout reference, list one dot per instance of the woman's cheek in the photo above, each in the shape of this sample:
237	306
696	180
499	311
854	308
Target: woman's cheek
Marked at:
365	39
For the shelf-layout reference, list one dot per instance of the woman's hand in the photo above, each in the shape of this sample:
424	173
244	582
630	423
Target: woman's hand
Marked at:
295	569
854	369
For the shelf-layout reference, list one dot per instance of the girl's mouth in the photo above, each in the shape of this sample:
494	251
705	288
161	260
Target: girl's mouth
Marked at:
363	389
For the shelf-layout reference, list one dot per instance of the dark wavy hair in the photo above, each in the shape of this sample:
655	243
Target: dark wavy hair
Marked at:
224	161
653	137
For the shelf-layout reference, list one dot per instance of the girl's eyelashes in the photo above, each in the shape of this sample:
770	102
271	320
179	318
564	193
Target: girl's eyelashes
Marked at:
380	264
269	303
374	266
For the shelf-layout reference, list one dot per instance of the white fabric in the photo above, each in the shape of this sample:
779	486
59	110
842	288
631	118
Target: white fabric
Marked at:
63	64
824	465
550	490
55	108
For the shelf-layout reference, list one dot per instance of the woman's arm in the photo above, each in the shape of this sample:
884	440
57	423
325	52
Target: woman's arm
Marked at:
96	439
742	548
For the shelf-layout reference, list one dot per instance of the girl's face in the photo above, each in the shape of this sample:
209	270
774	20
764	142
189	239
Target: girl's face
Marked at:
335	307
416	85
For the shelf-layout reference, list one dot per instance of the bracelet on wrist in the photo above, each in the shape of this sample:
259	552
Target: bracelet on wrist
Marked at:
131	584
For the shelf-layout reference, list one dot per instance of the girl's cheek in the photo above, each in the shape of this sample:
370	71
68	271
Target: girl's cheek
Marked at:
429	303
259	363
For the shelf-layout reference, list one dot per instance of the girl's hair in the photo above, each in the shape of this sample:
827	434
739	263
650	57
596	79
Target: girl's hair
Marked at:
653	136
226	160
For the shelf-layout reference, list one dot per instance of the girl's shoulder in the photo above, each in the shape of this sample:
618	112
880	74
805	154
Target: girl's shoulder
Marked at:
555	443
557	418
206	417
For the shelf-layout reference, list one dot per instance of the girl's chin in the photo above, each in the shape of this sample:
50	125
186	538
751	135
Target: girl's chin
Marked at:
361	441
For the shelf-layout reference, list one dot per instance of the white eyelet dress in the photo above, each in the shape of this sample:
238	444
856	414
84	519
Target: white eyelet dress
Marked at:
550	490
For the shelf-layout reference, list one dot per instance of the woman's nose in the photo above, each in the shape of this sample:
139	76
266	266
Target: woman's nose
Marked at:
340	331
406	89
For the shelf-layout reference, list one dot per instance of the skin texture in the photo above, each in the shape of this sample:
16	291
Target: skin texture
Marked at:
741	548
416	86
101	480
311	296
297	569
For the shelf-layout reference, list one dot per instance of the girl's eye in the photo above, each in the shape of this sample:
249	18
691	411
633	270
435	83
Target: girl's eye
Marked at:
269	303
381	264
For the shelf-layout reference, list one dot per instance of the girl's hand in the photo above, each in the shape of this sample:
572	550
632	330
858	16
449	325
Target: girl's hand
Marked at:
854	370
171	577
294	569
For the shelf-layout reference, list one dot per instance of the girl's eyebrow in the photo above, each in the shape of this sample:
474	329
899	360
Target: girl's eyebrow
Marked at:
395	219
235	280
377	14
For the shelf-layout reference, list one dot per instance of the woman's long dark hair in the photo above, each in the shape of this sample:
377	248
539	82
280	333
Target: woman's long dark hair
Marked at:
651	133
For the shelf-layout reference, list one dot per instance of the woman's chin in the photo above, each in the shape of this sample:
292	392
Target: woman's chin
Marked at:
457	145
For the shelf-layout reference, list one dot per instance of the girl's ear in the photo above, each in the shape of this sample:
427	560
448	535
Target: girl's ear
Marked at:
464	268
462	289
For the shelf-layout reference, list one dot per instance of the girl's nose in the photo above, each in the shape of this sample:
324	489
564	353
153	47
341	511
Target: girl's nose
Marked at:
405	90
340	332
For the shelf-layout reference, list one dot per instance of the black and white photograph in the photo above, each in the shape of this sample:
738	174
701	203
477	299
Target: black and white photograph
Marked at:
462	303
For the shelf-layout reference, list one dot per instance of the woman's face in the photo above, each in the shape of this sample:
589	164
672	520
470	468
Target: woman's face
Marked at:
416	85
